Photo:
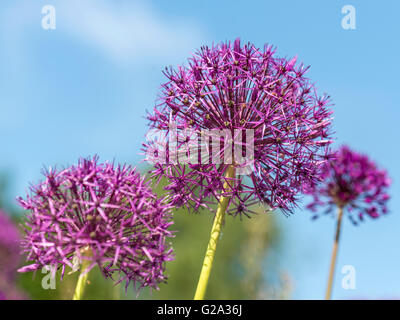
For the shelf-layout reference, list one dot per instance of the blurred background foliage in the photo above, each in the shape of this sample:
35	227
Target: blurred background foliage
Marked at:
248	250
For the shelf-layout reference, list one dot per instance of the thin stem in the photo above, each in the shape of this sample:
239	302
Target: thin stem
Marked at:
334	254
214	236
82	280
116	292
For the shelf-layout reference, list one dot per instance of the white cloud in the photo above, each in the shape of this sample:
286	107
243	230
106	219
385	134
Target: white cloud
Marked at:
127	32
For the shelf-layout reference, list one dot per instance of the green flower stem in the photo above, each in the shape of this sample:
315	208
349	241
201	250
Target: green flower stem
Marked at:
82	280
212	244
334	255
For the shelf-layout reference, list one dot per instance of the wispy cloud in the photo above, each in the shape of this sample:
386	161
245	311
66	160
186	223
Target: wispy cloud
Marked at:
127	32
124	31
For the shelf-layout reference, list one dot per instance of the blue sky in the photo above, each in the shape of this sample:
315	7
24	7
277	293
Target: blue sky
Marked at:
83	88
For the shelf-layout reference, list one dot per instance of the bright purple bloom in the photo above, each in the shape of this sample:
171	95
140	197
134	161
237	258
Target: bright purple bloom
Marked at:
10	255
235	87
350	180
9	247
106	210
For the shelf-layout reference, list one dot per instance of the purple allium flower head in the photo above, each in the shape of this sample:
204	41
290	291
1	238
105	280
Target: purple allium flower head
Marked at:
9	246
235	88
350	180
104	214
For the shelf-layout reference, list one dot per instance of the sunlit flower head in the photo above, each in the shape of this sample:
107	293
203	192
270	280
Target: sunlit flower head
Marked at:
352	181
262	103
9	247
103	214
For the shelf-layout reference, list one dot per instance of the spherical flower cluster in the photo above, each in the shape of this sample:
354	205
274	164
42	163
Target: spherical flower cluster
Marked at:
9	247
240	88
98	214
350	180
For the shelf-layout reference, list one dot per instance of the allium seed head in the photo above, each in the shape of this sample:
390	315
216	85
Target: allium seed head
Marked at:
352	181
104	214
240	89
